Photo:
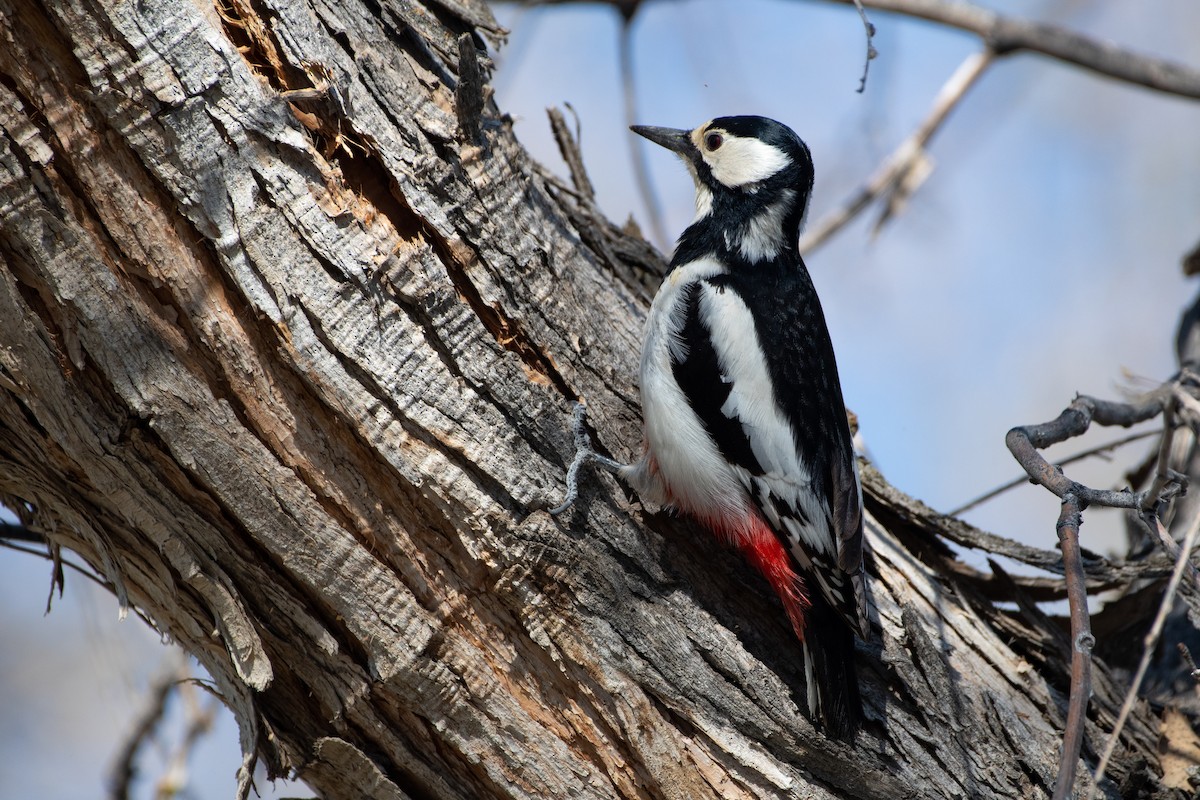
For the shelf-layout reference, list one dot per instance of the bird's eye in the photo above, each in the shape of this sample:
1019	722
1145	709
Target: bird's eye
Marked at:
712	141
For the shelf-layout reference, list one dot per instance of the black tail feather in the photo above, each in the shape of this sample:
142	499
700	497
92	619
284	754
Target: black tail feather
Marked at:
834	702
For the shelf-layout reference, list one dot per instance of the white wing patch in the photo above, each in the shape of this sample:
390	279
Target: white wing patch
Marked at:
689	468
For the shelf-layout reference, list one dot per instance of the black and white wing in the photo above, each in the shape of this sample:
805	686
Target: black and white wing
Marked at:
772	401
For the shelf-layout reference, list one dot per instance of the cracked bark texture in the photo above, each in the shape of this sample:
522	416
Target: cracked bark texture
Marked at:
294	370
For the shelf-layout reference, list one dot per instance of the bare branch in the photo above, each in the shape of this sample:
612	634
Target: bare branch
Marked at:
905	157
125	767
869	27
174	780
16	532
59	563
641	169
1025	441
1162	473
568	146
1081	653
887	503
1080	456
1007	35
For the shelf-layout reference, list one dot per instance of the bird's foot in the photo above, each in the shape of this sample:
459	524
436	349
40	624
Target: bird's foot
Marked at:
584	452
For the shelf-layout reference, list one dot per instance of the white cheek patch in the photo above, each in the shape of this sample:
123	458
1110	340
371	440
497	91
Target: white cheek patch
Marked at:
739	161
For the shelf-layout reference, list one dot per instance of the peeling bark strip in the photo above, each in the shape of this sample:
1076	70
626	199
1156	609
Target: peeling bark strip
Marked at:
295	375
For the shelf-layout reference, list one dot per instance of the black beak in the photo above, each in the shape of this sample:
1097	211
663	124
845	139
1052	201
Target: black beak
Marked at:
670	138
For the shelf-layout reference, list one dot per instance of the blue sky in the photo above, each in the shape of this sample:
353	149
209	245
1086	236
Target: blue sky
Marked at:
1040	259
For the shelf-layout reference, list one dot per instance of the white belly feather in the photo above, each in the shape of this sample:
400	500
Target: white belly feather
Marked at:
691	472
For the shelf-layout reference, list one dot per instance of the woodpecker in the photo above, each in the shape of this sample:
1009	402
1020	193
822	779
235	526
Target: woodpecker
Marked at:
743	421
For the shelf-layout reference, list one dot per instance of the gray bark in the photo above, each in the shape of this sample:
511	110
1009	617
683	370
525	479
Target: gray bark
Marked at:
296	378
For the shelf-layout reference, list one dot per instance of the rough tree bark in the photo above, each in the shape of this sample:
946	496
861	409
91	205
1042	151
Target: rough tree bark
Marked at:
294	371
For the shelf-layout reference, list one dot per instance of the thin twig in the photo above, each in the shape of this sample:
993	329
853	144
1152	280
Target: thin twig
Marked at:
1162	472
1151	640
174	780
1081	635
892	170
885	501
1007	35
1025	441
125	766
1157	531
1023	479
16	532
33	551
1010	34
568	147
641	170
869	27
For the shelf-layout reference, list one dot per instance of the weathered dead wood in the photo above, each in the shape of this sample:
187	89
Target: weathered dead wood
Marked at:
296	376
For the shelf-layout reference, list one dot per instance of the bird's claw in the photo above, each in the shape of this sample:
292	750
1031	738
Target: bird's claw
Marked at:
584	452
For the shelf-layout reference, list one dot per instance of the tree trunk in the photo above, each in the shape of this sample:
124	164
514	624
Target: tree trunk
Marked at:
290	333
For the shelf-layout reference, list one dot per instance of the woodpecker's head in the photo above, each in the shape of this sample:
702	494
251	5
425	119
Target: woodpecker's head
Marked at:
753	179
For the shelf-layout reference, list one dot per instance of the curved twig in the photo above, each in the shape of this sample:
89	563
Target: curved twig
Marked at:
1025	441
1071	459
869	27
124	769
